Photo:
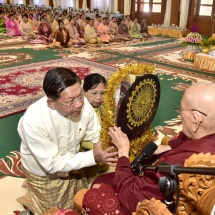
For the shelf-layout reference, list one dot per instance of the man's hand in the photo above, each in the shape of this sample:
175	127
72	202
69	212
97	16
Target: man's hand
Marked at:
120	140
105	156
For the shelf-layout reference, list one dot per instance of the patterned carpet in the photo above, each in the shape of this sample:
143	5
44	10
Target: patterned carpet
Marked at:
25	54
166	55
22	68
21	85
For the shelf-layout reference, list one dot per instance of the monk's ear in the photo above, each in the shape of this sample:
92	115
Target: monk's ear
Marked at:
196	120
51	103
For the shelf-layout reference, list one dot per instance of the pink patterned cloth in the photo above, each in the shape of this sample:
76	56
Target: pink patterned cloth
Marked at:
66	212
12	28
102	201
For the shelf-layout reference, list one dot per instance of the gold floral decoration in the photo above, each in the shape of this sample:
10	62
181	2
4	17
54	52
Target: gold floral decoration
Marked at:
109	107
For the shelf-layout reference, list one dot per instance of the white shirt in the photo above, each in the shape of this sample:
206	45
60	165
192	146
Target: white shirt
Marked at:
51	142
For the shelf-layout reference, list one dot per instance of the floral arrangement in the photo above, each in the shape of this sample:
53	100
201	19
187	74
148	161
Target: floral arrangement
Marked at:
193	39
205	42
212	41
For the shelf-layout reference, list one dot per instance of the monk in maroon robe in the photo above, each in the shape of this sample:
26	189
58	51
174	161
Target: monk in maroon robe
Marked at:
198	123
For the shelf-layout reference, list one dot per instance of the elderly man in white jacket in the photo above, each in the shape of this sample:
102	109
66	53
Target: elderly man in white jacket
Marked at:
51	131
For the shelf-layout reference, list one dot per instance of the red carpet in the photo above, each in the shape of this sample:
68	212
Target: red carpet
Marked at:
21	86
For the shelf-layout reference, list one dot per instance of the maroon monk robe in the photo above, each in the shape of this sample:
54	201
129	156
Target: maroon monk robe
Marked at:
131	189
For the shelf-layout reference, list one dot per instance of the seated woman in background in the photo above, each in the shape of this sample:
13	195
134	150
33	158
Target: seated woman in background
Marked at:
90	35
12	27
77	26
44	30
73	33
62	38
103	31
2	22
135	30
94	88
128	22
54	24
26	30
123	31
144	29
33	22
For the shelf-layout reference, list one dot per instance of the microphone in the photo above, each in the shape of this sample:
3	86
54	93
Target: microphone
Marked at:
147	151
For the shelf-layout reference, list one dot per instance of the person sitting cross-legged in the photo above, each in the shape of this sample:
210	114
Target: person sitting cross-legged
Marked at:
114	31
44	30
90	35
144	29
2	22
73	33
135	30
103	31
61	37
124	189
123	31
26	29
11	26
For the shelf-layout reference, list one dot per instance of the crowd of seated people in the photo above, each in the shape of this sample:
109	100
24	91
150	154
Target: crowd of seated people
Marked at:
43	24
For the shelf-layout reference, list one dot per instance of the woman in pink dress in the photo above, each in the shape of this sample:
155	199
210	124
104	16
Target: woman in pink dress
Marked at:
45	31
12	27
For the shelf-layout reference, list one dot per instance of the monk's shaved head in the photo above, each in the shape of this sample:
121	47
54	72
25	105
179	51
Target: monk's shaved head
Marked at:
201	97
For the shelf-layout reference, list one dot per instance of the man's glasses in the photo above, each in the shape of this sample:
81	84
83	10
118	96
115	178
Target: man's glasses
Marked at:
72	102
178	109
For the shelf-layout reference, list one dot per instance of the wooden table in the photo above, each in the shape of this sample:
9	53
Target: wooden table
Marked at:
205	61
168	32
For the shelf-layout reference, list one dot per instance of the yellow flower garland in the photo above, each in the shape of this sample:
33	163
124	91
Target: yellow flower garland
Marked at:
108	110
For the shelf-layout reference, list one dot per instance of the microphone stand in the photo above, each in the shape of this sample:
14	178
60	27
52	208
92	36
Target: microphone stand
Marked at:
168	184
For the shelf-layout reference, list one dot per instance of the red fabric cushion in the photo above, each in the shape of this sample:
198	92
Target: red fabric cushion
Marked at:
66	212
102	200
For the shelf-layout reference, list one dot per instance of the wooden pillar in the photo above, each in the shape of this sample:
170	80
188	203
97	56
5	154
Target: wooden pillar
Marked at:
133	13
51	3
121	6
163	10
175	15
193	9
80	3
89	4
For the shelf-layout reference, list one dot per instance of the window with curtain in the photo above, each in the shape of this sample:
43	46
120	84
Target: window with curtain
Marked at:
149	6
102	5
65	4
156	6
206	7
144	6
14	2
39	2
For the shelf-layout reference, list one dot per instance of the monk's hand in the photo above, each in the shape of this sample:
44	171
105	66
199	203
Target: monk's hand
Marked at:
105	156
120	140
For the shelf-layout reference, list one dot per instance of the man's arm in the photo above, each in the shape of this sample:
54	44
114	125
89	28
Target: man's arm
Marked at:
130	188
93	133
48	154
